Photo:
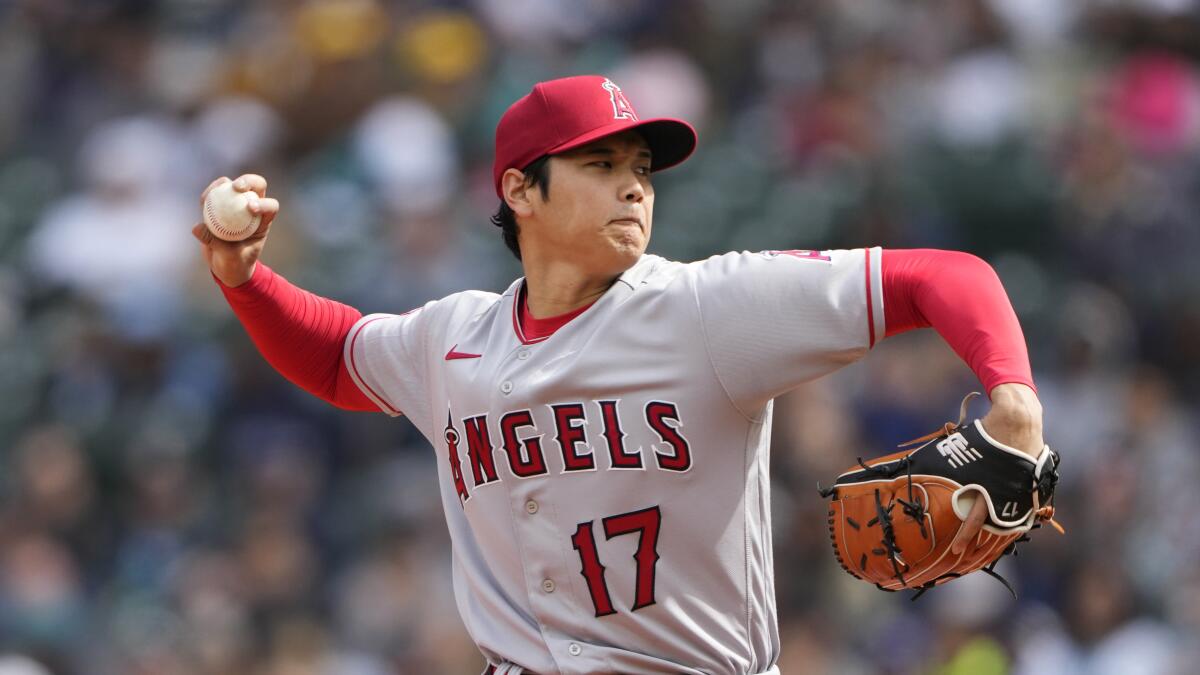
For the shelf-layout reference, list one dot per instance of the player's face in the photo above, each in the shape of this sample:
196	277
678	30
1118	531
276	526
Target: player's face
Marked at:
600	206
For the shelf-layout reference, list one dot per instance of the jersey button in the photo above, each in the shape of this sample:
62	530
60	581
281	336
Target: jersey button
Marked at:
506	386
523	354
574	649
548	585
531	507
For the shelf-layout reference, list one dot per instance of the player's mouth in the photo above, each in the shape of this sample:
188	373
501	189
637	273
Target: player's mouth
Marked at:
627	221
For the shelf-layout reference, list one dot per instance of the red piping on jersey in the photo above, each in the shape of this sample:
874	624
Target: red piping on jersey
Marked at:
530	330
358	376
870	307
518	305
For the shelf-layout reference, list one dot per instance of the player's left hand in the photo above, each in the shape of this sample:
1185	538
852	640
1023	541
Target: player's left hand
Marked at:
1015	420
898	521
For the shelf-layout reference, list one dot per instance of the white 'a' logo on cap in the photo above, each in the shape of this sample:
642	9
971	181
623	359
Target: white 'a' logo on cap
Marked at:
622	109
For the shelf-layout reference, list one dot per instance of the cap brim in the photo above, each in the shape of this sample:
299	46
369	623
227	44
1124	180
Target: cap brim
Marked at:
671	140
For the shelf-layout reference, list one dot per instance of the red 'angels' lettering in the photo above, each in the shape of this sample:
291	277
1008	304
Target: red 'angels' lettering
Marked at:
479	450
657	414
571	435
522	442
614	436
524	456
460	485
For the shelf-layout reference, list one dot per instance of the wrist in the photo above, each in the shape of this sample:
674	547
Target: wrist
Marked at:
235	278
1016	400
1015	417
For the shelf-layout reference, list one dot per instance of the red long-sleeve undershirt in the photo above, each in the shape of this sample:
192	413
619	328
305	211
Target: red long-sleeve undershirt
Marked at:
961	297
302	335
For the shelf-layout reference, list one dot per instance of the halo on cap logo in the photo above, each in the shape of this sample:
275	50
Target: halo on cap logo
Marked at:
622	109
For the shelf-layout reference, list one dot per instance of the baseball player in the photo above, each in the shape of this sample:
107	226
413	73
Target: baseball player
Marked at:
602	426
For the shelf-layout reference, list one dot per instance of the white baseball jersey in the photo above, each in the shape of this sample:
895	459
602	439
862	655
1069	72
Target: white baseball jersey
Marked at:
606	487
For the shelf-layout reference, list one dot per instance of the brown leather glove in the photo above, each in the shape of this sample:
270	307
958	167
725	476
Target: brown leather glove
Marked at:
892	519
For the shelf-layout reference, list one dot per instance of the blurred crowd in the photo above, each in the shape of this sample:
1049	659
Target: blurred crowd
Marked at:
170	505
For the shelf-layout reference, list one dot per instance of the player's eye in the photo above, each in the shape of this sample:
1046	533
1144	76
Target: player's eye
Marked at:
644	170
604	164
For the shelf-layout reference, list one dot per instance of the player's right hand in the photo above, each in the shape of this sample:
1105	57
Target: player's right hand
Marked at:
233	261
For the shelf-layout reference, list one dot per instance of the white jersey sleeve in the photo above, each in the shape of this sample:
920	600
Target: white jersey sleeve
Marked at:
385	354
775	319
391	357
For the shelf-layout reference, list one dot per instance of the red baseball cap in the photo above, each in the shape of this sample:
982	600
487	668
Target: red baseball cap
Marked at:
559	115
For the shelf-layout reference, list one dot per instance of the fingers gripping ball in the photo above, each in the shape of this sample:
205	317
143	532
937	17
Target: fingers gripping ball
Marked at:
892	520
226	213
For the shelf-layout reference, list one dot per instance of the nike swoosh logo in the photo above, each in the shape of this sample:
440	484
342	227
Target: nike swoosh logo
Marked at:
452	354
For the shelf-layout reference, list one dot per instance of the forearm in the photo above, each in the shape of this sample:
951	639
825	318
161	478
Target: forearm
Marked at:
300	334
961	297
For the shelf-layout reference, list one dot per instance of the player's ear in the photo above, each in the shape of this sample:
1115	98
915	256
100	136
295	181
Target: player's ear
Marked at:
517	193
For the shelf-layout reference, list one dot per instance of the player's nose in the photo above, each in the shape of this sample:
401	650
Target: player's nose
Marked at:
633	193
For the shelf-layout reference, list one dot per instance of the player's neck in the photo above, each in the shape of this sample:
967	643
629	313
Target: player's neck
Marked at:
559	288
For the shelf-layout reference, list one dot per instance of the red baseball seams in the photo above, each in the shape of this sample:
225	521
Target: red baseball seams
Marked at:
961	297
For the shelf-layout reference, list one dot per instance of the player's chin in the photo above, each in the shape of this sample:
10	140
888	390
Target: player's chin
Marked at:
626	247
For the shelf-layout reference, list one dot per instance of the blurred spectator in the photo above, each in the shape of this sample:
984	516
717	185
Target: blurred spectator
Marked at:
116	243
19	665
1103	634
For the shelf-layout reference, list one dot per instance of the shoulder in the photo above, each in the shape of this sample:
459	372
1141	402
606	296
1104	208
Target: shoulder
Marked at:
751	269
461	306
656	272
652	269
458	308
782	264
470	300
768	257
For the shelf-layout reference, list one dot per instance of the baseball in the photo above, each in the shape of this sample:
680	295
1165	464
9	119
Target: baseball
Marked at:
226	215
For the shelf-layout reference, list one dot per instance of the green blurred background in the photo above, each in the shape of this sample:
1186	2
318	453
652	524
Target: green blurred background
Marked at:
170	505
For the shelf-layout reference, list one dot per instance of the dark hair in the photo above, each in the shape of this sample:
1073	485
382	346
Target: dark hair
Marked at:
537	173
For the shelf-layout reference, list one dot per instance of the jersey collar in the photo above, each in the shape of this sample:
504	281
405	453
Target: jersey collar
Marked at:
625	284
